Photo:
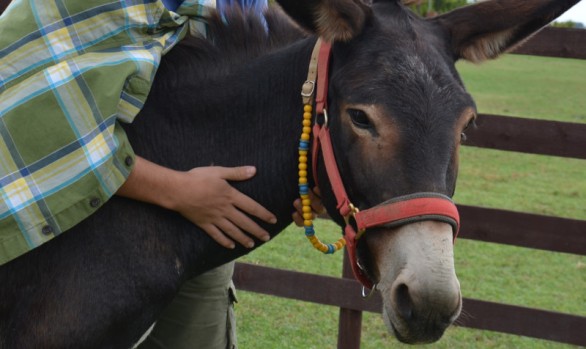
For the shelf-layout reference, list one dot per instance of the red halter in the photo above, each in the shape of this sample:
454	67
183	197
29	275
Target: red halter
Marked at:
395	212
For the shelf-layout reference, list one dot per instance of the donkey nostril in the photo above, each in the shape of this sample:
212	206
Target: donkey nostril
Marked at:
404	302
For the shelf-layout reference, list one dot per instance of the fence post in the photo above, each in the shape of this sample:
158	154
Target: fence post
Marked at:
350	321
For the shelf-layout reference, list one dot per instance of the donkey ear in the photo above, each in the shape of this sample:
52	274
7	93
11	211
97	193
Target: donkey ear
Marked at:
487	29
333	20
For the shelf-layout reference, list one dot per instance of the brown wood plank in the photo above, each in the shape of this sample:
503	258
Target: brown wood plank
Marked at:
523	321
556	42
523	229
332	291
343	293
556	138
350	321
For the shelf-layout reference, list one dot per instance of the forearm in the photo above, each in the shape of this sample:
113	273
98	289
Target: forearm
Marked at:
149	182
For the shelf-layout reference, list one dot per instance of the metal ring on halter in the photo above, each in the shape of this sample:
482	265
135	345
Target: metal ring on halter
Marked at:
307	89
366	295
325	118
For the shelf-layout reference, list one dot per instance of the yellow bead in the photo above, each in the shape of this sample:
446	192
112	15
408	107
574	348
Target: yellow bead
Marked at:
305	137
307	116
303	167
307	223
306	202
306	209
303	174
303	159
307	108
303	152
307	123
302	180
308	216
307	130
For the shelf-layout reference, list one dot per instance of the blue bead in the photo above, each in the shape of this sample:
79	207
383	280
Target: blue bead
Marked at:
331	249
303	145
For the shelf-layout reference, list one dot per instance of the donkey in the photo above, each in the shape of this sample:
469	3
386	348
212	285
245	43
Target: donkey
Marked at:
397	112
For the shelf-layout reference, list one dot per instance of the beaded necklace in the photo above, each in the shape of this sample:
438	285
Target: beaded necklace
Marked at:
304	142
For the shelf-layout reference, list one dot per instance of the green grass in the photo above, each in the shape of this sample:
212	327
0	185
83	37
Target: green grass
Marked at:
535	87
514	85
522	182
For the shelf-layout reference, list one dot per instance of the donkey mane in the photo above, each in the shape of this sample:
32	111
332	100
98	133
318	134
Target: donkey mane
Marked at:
232	41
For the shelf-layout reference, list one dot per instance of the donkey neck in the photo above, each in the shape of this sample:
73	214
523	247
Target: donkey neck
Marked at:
251	116
256	104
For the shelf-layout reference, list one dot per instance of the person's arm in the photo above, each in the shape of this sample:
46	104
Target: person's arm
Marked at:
203	196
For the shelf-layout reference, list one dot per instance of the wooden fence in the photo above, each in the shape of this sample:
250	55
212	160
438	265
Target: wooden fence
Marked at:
491	225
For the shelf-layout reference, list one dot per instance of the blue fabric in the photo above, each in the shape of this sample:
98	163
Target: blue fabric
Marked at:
257	6
172	5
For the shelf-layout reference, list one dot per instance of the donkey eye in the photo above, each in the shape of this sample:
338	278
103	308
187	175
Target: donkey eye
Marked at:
463	136
359	118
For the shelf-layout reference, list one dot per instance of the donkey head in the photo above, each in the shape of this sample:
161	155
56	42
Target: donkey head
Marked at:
397	113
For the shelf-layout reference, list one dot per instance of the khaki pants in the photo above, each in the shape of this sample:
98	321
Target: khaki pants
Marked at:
200	317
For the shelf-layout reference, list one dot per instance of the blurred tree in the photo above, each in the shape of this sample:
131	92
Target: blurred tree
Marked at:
432	8
568	24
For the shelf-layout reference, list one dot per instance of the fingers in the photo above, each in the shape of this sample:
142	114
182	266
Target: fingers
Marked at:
237	226
244	223
234	232
241	173
225	232
297	214
316	206
247	205
316	203
218	236
220	209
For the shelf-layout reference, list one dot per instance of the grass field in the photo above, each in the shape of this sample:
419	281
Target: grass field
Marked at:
514	85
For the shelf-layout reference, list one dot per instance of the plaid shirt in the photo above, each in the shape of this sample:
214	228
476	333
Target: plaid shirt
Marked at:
70	70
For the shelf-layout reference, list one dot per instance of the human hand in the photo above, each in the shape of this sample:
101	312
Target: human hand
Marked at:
316	206
208	200
204	196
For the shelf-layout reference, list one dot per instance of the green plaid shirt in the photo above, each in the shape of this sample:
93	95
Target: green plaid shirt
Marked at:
70	70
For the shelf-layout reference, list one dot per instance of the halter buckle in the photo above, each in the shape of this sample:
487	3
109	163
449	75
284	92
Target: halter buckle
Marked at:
352	215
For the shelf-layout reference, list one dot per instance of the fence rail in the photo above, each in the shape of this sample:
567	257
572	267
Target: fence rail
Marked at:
556	42
345	293
543	137
564	139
